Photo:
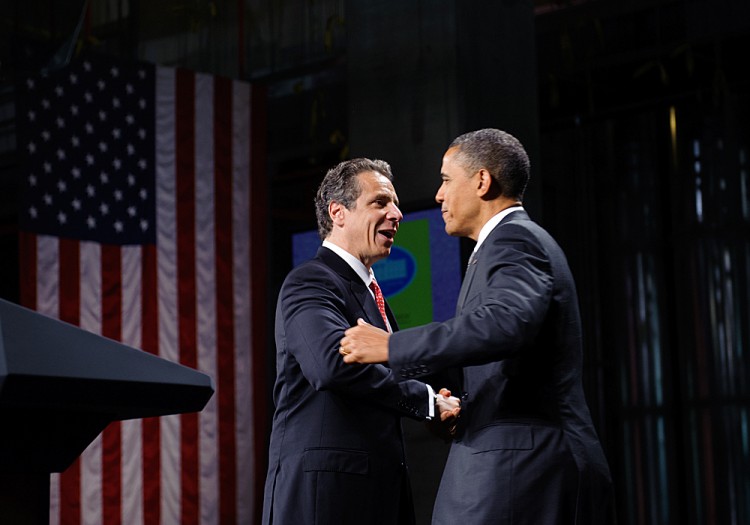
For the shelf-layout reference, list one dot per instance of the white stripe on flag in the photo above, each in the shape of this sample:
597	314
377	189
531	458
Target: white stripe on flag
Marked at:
167	283
90	280
206	294
132	450
48	265
48	291
242	329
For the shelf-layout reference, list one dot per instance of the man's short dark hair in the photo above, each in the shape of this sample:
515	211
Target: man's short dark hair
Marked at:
341	185
498	152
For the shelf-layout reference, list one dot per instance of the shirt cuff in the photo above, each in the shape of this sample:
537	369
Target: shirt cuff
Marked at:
430	402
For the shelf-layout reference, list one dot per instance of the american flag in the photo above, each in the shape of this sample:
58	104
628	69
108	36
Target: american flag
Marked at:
143	197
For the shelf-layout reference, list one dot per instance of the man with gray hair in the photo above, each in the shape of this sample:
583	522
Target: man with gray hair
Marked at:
336	453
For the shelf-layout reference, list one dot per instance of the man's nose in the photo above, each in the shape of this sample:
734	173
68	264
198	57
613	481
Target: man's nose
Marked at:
439	195
394	213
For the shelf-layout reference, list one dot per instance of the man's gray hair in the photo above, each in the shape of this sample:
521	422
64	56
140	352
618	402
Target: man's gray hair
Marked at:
341	185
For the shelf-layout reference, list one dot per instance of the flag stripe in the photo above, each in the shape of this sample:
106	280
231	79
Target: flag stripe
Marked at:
111	303
167	283
185	162
206	293
69	310
150	427
224	302
241	243
37	259
70	269
48	296
90	287
111	473
131	508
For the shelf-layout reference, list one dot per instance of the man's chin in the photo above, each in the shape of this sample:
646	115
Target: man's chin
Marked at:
384	253
452	232
386	245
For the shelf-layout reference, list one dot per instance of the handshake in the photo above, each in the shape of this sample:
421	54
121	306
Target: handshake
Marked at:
365	343
449	408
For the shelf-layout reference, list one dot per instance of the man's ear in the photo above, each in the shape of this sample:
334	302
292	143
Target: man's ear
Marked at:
488	188
336	211
484	183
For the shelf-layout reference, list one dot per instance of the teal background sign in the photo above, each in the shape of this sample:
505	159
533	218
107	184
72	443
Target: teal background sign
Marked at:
396	272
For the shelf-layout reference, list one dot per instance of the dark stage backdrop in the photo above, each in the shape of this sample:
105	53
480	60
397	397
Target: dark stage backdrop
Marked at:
653	208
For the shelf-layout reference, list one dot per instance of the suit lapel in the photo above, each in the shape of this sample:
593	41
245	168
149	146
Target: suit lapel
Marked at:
358	289
468	278
472	266
391	317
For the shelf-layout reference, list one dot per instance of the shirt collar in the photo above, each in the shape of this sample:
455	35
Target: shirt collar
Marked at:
494	221
357	265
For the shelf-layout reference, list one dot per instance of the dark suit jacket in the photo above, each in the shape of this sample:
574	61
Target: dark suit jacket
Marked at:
336	454
526	451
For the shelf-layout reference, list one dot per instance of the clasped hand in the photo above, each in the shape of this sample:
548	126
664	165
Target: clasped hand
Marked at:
449	408
448	405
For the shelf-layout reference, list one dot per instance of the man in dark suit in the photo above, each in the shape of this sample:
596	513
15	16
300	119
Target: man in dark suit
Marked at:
525	450
336	454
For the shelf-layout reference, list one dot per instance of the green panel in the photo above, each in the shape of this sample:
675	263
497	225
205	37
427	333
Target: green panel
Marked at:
413	305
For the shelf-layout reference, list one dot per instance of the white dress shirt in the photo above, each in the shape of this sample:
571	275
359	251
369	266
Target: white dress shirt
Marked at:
490	224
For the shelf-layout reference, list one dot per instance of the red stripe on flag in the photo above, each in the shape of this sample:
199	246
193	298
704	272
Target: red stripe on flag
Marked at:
70	311
70	281
225	298
111	301
150	428
185	181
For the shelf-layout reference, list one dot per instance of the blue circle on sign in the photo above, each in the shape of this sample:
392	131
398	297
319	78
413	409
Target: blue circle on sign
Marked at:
396	272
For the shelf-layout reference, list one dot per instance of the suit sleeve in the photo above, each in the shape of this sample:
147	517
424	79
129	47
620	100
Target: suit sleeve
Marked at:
315	316
507	304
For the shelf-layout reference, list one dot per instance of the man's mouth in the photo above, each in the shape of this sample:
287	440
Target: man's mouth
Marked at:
388	234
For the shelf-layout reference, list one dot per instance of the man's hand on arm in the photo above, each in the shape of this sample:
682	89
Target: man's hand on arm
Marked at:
364	343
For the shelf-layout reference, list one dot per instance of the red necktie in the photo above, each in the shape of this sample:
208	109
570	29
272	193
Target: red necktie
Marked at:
379	300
